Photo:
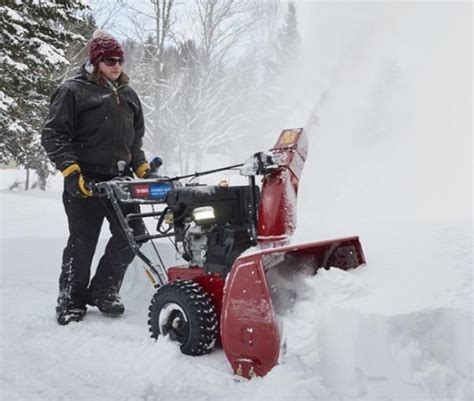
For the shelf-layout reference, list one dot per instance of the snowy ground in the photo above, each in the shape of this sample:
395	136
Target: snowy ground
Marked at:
398	328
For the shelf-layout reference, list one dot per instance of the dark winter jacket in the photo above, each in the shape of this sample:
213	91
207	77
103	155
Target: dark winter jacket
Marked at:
95	127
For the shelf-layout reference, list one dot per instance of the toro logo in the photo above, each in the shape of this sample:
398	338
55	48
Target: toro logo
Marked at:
140	191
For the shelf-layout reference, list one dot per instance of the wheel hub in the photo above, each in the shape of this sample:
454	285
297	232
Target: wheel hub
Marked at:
173	322
177	323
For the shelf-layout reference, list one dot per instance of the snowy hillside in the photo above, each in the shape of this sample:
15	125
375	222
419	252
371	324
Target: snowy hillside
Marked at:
390	160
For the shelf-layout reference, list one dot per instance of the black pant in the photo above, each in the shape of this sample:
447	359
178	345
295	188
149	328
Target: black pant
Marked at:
85	218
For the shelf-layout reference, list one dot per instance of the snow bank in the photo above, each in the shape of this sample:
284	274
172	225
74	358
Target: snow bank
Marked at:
372	355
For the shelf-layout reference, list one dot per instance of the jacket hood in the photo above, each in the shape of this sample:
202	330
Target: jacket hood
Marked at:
84	71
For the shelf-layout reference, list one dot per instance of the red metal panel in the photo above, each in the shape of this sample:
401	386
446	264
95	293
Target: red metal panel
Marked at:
276	215
277	208
249	329
184	273
343	253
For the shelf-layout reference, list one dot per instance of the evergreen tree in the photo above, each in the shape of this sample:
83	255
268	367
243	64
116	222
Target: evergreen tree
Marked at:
289	39
77	51
35	39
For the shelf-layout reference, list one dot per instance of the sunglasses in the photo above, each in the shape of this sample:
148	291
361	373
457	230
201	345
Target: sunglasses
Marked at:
111	61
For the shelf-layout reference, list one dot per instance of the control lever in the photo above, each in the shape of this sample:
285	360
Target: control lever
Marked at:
121	167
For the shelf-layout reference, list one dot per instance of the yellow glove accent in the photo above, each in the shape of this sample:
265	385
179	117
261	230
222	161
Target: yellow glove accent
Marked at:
141	169
70	169
83	187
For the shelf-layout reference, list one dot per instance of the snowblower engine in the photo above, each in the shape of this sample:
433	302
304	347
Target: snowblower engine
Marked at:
213	224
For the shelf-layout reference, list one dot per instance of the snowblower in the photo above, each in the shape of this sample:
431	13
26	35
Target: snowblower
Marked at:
233	238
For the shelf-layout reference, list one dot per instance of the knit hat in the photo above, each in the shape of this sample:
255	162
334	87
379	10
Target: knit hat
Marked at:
103	45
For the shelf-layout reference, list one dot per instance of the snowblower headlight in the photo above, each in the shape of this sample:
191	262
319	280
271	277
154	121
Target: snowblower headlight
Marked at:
204	215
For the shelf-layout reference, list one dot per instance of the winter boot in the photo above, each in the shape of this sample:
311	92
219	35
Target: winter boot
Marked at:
108	301
67	312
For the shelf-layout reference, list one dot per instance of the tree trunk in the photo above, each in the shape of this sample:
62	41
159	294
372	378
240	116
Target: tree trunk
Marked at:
27	180
41	179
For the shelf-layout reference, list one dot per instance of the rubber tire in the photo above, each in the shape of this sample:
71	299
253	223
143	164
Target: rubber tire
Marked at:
198	310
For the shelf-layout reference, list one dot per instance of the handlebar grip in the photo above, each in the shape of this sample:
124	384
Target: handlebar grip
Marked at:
98	188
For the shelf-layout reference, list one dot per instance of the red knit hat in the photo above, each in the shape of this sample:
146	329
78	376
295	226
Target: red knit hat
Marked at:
104	45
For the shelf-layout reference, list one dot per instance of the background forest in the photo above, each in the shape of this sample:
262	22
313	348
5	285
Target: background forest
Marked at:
209	73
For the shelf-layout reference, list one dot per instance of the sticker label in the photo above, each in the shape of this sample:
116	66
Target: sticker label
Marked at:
159	191
140	191
289	136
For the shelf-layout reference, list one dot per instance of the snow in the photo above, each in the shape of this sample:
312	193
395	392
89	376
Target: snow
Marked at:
18	66
390	160
51	54
5	101
13	14
399	327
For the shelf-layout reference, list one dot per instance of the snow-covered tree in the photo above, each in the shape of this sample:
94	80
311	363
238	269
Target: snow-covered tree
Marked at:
200	107
35	39
222	28
77	52
289	38
150	71
203	82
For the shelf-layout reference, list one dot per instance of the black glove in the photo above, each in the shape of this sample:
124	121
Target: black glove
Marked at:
76	186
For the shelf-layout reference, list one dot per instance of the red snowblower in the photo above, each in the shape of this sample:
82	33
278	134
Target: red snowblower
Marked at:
233	239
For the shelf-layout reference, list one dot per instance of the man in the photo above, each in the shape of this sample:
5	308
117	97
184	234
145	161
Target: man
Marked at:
95	121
